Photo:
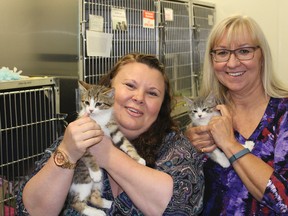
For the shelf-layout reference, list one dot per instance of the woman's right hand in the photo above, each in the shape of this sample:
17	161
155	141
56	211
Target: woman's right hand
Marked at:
201	138
80	135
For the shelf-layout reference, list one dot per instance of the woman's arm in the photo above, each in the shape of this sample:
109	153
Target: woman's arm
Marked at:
149	189
253	172
45	192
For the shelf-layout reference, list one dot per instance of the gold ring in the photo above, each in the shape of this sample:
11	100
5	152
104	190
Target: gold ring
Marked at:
201	150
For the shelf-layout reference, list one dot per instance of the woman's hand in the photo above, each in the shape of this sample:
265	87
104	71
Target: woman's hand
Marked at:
80	135
221	128
103	151
201	138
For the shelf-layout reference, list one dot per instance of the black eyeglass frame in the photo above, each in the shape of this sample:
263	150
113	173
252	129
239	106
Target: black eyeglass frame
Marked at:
213	52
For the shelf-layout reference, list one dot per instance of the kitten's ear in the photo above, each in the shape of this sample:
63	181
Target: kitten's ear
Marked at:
211	97
83	86
110	92
188	100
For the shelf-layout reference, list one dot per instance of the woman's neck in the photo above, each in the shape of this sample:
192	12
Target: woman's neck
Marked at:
248	108
249	99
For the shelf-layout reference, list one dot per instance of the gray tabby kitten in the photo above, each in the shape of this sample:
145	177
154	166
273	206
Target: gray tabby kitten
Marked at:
201	111
86	186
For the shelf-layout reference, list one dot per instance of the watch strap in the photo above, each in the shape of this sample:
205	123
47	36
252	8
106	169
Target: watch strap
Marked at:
239	155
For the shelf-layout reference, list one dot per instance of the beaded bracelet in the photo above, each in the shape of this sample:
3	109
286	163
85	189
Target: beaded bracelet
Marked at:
239	155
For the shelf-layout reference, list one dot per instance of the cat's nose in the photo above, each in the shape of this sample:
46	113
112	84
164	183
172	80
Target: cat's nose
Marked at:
91	110
200	116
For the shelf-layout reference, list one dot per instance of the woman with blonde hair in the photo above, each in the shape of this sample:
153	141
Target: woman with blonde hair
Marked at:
238	69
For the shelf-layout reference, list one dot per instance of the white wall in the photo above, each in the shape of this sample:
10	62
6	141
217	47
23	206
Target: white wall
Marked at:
272	16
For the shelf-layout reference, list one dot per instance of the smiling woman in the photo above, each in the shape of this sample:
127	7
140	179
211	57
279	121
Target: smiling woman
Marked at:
238	69
145	86
171	183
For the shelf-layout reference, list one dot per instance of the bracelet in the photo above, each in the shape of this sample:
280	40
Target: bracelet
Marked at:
239	155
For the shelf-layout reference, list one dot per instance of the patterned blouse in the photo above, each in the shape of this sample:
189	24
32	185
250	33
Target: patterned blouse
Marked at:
177	157
225	194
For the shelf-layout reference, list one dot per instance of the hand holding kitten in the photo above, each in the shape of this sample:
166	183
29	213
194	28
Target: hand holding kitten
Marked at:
221	128
201	138
80	135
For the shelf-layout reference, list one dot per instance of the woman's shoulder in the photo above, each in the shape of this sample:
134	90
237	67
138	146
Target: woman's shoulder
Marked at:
176	138
176	141
280	104
283	100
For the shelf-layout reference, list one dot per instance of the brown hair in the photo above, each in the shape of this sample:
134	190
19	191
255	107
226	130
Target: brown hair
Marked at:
149	143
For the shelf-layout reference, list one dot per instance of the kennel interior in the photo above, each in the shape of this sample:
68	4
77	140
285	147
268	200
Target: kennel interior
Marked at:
29	122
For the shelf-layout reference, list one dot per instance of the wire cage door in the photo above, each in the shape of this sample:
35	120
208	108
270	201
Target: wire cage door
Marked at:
29	123
131	38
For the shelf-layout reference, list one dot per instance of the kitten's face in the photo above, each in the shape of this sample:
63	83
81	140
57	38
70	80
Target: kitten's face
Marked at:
201	110
95	98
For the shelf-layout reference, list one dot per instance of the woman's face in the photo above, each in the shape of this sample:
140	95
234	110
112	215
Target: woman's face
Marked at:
139	93
237	75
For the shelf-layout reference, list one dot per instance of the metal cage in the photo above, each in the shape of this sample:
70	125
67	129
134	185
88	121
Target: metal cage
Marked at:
134	39
29	122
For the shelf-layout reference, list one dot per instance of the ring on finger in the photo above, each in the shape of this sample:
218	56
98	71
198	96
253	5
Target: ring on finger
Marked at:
201	150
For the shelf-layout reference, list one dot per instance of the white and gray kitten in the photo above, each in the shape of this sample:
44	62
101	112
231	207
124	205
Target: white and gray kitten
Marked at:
86	186
201	111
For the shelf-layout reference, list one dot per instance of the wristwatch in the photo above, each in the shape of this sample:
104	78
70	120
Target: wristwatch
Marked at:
61	160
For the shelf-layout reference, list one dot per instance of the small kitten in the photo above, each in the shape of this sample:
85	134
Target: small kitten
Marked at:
86	186
201	111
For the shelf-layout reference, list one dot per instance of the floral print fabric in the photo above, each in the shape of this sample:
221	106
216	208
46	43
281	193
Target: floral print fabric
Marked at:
225	193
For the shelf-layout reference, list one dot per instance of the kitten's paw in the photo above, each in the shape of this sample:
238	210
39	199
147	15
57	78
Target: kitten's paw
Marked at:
107	203
90	211
96	176
224	163
219	157
142	161
249	145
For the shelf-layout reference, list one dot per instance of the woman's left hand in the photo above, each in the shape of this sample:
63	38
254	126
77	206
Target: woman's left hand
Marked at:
221	128
102	151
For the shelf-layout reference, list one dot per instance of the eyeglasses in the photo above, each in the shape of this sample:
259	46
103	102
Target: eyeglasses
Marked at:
242	54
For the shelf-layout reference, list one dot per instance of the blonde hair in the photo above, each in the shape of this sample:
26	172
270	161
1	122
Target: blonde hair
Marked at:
233	27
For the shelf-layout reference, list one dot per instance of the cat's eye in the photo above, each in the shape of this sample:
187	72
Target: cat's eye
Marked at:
194	111
98	104
205	109
87	103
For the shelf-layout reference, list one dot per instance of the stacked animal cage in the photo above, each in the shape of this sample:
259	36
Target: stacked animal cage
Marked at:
29	122
133	38
176	36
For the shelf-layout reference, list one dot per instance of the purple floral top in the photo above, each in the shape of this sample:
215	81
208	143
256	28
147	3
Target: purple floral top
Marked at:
177	157
225	193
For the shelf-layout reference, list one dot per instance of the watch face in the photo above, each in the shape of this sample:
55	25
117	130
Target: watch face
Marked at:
60	158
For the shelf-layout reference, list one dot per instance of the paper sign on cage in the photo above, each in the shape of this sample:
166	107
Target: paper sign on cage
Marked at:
169	16
96	23
98	43
148	19
118	17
